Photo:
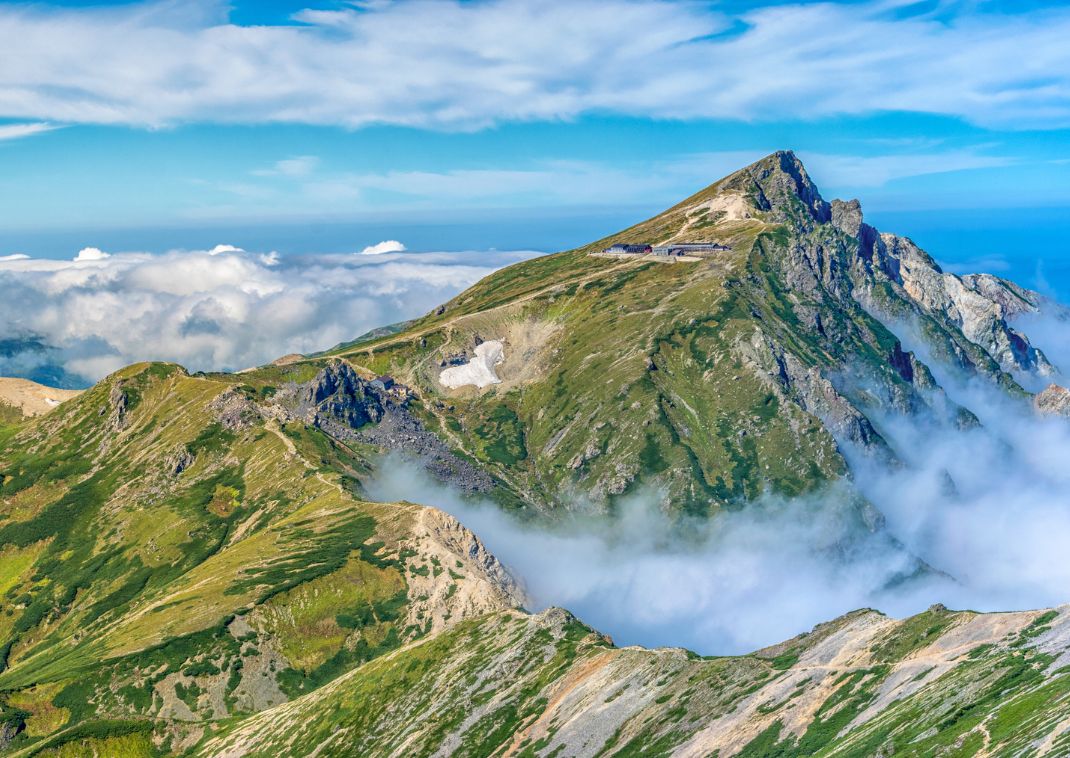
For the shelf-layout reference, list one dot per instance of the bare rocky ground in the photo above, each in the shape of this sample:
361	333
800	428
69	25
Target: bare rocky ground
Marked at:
942	683
31	398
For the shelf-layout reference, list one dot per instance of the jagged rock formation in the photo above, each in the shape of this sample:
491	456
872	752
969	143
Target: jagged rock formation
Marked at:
750	371
189	567
350	408
1054	400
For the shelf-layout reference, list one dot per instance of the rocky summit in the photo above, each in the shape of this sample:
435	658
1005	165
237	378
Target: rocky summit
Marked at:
194	564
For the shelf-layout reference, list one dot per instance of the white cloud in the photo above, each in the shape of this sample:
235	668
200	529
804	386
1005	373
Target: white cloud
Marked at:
876	171
452	64
90	254
569	183
386	246
14	257
302	165
18	131
220	249
209	311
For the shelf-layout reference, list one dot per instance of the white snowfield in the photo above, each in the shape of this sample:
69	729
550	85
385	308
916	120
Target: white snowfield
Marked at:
478	371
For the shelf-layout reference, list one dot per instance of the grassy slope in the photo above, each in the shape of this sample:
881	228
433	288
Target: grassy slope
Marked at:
132	593
943	683
641	377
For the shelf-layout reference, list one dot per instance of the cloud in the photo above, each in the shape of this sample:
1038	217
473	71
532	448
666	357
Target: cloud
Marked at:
220	249
211	311
90	254
728	586
302	165
386	246
459	65
876	171
18	131
987	508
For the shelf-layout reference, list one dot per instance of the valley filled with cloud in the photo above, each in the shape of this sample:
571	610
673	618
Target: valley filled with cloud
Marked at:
219	309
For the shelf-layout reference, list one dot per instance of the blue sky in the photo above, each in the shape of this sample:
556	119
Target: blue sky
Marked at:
326	126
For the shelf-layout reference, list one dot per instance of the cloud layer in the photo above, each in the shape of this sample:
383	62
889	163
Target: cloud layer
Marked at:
450	64
986	507
218	309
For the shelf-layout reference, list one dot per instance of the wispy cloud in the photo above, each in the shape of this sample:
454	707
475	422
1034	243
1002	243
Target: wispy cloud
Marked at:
18	131
302	165
326	192
466	65
878	170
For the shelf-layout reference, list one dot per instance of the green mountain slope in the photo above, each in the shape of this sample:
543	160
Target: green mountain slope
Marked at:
510	684
191	565
169	558
712	381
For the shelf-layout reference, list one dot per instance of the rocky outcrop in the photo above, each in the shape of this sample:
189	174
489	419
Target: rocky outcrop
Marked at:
337	400
1053	401
812	391
776	185
348	407
180	460
482	584
338	395
980	305
235	410
118	404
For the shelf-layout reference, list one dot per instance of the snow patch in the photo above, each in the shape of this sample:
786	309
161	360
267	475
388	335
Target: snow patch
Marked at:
478	371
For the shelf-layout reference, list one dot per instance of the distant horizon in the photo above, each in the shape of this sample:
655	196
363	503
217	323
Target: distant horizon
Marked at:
1016	243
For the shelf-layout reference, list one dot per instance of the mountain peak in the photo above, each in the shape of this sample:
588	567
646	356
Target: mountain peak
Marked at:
776	184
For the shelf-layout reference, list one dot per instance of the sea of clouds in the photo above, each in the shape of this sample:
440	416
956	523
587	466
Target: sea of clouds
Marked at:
219	309
987	510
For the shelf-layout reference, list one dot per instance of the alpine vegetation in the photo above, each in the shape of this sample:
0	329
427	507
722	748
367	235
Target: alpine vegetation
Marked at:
753	425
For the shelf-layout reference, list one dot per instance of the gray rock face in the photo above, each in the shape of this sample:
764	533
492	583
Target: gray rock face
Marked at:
348	407
339	396
979	305
401	432
813	392
119	403
1054	401
777	185
234	410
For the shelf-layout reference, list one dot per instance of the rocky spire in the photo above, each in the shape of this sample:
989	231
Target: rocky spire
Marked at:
779	184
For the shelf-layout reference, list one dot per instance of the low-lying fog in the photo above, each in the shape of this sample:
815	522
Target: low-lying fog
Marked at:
998	539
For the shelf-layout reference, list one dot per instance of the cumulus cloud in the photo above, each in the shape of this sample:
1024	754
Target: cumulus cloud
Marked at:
223	248
213	310
467	65
386	246
90	254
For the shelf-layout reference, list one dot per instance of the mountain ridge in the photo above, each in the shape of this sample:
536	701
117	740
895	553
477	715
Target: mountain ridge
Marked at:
192	565
802	297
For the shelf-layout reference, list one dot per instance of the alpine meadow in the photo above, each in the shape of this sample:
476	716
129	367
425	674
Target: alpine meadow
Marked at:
755	477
